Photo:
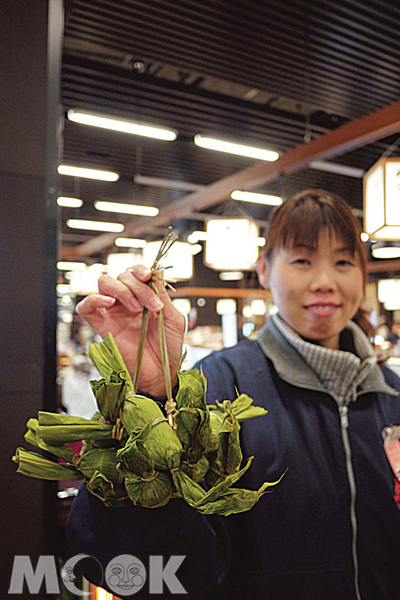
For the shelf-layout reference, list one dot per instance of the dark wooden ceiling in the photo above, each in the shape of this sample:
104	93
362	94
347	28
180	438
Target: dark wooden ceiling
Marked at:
259	72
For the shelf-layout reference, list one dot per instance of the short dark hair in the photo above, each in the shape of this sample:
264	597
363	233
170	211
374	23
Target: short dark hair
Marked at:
300	219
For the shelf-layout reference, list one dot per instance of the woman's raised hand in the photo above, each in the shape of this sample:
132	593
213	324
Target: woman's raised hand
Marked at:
118	308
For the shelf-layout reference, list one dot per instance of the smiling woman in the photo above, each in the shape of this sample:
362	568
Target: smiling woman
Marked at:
331	529
315	265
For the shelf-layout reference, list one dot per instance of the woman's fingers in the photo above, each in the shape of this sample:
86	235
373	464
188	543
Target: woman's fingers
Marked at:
131	289
92	308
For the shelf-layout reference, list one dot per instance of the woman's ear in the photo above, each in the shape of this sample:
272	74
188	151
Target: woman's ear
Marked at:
262	272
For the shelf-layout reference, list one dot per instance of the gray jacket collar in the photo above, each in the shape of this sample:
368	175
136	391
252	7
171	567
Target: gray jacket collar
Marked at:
292	367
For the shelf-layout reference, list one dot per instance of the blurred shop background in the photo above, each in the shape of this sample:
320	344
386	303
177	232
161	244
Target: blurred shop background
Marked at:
121	118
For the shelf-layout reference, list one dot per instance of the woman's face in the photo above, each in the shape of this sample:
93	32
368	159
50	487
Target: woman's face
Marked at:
316	291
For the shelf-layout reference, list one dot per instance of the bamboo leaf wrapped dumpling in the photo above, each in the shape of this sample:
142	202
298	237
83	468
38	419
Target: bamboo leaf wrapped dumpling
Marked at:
192	419
110	394
58	429
192	389
228	457
193	430
110	494
151	493
35	465
145	485
162	443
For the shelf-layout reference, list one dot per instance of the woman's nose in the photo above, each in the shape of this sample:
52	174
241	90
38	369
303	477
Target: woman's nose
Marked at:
323	281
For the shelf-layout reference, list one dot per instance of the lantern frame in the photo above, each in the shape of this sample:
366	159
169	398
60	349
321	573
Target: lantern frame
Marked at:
382	200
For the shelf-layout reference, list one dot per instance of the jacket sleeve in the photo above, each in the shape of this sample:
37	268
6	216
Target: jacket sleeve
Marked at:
175	529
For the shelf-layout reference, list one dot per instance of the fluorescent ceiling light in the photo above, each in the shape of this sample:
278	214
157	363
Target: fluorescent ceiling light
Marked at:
231	275
130	243
230	148
69	202
95	225
173	184
129	209
123	125
256	198
88	173
329	167
71	266
364	236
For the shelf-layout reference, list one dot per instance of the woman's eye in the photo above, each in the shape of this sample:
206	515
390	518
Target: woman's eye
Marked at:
344	262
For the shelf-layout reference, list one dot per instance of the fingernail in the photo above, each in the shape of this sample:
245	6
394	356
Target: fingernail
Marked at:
155	304
143	271
135	304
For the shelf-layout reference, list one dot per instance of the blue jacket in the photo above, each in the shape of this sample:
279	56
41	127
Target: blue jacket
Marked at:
296	542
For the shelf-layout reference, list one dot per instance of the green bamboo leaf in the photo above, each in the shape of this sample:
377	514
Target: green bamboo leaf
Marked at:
110	395
242	407
194	432
162	442
234	500
34	465
215	492
99	459
134	457
107	358
57	429
192	389
106	491
196	471
190	491
32	437
153	493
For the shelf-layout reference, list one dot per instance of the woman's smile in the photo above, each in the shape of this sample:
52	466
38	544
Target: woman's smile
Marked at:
322	309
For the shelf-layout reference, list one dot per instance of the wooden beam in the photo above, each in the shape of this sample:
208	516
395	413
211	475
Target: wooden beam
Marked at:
209	292
383	266
356	134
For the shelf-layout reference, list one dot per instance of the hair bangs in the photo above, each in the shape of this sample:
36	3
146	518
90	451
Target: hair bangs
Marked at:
300	220
303	226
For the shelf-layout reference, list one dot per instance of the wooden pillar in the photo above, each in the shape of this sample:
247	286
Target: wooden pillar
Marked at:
30	65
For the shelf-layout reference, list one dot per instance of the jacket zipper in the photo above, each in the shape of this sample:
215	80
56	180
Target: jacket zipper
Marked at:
344	421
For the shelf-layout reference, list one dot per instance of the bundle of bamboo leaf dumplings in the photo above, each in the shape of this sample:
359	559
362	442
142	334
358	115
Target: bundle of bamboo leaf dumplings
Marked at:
132	453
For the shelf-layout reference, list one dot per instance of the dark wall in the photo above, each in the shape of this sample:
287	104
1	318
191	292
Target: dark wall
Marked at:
29	150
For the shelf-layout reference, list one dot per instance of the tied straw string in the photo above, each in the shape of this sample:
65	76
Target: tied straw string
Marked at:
170	405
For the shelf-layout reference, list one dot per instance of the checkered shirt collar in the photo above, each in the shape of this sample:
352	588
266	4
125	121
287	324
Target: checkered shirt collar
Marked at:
339	371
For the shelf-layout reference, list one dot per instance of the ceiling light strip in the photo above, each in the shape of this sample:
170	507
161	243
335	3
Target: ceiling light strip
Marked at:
122	125
88	173
95	225
238	149
256	198
129	209
69	202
